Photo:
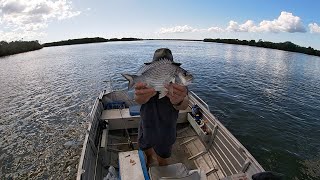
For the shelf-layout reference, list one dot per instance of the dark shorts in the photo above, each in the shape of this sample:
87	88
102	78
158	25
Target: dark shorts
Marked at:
162	150
157	128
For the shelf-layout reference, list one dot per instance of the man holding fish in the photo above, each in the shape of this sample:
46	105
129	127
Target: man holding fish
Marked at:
160	88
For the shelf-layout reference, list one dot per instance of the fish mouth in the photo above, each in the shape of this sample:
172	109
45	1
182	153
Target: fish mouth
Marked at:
187	79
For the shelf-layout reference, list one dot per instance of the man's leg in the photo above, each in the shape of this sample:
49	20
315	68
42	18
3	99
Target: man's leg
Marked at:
149	155
147	148
163	153
162	161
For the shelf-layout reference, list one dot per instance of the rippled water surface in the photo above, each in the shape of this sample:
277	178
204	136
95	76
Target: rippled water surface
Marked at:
268	99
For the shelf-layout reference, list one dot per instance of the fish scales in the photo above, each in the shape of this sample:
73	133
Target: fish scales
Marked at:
159	73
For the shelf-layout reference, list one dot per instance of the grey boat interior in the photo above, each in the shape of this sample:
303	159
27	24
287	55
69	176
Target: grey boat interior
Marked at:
210	149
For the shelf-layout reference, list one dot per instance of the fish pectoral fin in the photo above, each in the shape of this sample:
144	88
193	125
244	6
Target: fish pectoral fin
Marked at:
173	80
163	93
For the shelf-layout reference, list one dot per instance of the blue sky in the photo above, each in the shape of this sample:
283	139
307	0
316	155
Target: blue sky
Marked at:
52	20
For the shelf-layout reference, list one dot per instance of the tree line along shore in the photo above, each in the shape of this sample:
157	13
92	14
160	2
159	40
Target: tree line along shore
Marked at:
286	46
15	47
86	41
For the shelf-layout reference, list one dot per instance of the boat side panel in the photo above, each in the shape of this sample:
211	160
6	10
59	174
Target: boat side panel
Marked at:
231	152
228	152
227	159
88	159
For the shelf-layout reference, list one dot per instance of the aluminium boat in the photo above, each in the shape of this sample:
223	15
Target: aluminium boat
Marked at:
203	150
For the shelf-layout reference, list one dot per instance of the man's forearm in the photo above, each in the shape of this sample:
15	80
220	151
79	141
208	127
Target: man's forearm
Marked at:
183	105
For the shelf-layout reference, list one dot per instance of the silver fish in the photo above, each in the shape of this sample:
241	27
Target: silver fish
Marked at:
157	74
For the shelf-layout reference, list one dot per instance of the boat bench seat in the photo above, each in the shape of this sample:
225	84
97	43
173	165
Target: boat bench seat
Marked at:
132	113
175	172
132	165
118	118
183	115
110	114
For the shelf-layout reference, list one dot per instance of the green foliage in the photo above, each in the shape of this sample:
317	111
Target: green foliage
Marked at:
15	47
286	46
76	41
86	40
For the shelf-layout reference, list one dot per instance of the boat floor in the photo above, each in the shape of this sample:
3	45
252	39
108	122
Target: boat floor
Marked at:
188	150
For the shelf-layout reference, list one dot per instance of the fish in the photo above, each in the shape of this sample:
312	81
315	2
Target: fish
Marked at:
159	73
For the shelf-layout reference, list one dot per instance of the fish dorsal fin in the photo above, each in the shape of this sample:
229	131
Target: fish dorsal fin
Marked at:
155	64
162	61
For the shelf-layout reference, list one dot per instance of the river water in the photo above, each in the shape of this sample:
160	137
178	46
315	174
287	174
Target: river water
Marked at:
269	99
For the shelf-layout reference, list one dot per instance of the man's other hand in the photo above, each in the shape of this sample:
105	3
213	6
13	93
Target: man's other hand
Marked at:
176	93
143	93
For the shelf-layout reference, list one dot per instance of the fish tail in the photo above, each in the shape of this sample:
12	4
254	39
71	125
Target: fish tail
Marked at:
131	79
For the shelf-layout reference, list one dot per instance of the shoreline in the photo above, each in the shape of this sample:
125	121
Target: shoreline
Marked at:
87	41
284	46
27	46
17	47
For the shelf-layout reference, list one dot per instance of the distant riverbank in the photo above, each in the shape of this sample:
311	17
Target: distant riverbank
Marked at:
15	47
24	46
87	40
286	46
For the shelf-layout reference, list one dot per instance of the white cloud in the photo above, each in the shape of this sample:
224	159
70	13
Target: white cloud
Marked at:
177	29
24	16
8	7
314	28
186	28
215	29
286	22
248	26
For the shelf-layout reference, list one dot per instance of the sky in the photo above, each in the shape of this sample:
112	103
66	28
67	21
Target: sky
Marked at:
269	20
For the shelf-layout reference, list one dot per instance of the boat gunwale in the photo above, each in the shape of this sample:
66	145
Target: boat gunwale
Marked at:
86	139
